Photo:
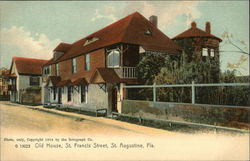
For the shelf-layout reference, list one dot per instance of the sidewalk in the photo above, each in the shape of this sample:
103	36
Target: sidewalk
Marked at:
102	120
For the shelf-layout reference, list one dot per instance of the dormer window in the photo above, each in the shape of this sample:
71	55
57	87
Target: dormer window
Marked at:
90	40
148	32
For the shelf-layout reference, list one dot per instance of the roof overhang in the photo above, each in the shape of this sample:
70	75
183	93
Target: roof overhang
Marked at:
80	81
104	75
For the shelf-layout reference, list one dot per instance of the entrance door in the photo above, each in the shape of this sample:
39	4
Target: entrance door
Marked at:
59	95
114	100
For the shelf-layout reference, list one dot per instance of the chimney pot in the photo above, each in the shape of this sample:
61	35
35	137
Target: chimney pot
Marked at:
208	27
193	24
153	20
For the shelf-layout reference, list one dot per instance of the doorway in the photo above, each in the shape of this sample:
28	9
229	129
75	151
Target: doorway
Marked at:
59	95
114	99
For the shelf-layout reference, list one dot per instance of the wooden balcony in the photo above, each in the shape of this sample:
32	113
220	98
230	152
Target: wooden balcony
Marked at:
126	72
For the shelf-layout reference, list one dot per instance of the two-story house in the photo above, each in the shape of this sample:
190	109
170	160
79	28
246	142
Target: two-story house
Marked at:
200	45
24	73
4	81
90	73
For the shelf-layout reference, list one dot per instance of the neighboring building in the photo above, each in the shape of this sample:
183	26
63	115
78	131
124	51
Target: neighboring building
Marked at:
24	73
199	42
4	81
201	45
90	73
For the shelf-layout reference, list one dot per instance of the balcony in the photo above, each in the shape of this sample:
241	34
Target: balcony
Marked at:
126	72
11	87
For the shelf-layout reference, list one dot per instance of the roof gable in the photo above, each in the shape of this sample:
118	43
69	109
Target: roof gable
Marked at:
104	75
195	32
131	30
28	65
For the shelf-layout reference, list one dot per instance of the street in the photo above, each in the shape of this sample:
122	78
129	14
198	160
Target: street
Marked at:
32	133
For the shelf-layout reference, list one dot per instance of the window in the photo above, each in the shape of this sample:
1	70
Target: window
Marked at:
54	93
148	32
204	52
69	93
74	65
46	70
57	69
34	81
83	93
212	52
113	59
87	62
90	40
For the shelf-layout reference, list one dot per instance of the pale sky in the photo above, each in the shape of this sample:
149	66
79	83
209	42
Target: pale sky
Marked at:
33	29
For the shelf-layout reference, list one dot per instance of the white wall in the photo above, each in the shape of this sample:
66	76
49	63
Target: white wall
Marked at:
96	98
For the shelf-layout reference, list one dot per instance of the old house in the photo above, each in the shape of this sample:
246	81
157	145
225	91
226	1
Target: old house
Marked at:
24	73
199	42
201	45
4	92
90	73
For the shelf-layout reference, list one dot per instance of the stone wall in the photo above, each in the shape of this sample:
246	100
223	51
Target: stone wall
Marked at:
230	116
32	97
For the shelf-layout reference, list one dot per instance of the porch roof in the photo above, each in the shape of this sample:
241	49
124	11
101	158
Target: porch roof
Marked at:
54	80
64	83
104	75
80	81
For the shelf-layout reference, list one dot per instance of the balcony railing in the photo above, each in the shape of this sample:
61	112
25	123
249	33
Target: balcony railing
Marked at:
126	72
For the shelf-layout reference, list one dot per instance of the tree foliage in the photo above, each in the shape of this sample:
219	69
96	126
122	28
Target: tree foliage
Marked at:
161	69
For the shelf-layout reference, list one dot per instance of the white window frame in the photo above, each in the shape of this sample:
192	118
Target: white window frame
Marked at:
73	65
204	51
111	52
57	69
87	62
212	52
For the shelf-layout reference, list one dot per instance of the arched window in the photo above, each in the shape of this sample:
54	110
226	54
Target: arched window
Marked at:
113	59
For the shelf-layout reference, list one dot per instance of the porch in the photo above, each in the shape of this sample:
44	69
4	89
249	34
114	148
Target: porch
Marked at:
126	72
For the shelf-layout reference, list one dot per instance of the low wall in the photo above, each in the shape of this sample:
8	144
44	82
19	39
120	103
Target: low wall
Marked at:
221	115
30	98
4	97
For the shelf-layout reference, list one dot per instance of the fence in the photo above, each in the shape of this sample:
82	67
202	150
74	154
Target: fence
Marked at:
192	86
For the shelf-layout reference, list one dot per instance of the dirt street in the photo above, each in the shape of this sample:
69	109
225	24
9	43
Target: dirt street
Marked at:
32	134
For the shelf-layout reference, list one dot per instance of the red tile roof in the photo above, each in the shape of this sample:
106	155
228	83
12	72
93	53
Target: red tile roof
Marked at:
54	80
64	83
80	81
131	30
28	65
195	32
64	47
108	75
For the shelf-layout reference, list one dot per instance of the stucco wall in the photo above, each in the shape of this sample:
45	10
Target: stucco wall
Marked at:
96	98
206	114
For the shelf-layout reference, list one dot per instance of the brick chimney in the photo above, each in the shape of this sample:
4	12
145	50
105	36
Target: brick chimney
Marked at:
208	27
193	24
153	20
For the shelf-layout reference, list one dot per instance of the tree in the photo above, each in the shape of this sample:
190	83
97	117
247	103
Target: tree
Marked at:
241	47
149	67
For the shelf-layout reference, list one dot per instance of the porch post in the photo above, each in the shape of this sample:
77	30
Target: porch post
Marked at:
154	92
193	93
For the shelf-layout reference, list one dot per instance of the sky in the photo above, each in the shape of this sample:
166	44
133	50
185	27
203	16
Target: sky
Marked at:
34	28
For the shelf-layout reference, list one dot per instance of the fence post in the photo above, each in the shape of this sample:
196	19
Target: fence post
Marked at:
193	93
154	92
